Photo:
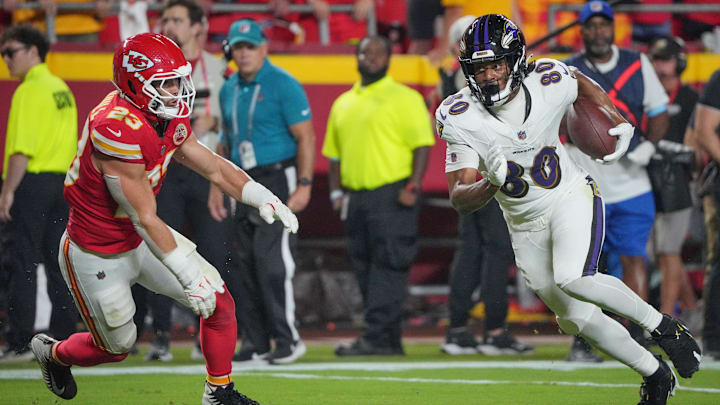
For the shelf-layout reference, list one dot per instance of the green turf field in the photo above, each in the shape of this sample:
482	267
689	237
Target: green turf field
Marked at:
424	376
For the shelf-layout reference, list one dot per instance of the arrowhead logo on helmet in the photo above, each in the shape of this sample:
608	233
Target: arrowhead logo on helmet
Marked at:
147	62
134	61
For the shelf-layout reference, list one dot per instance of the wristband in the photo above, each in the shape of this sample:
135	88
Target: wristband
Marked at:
179	263
411	187
304	181
335	194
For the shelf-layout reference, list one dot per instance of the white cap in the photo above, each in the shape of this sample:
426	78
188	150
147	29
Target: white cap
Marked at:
457	29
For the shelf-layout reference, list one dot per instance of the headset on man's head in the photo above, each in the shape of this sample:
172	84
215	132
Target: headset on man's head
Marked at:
675	47
227	49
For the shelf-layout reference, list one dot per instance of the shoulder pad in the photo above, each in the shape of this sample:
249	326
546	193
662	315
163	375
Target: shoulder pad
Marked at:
116	140
551	80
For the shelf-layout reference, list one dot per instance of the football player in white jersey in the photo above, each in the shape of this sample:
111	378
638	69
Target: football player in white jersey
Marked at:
505	124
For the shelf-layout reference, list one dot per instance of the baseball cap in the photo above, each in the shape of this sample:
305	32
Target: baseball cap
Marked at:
593	8
245	30
665	48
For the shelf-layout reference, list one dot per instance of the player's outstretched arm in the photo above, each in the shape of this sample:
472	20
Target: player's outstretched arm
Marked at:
587	88
128	184
235	182
466	193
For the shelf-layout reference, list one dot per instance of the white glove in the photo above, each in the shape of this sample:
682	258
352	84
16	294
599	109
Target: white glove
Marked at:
624	132
642	154
496	165
277	210
201	294
193	273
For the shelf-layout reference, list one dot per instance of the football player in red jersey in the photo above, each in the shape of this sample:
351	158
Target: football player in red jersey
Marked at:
114	237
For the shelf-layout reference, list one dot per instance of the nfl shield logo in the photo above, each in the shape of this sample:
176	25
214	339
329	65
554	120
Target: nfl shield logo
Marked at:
453	157
522	135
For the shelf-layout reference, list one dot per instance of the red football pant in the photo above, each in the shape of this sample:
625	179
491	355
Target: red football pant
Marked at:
218	336
80	350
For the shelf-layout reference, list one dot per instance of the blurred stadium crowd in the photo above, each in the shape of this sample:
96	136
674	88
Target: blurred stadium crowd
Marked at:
414	26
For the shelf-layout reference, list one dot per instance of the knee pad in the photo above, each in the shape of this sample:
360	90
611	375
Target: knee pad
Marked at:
118	329
121	340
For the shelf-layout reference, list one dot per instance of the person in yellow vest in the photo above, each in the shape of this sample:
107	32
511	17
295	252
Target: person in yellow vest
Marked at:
378	141
40	143
70	26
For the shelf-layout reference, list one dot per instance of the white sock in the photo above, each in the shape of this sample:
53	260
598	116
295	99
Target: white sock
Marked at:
609	336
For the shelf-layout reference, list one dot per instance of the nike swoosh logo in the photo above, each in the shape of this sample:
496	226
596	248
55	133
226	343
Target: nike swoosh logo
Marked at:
697	355
305	111
118	133
57	390
443	116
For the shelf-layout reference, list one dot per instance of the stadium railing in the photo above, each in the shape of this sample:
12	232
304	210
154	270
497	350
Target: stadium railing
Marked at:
323	25
631	8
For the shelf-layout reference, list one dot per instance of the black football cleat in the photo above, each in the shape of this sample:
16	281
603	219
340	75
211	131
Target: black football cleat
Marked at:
677	342
57	377
460	342
225	396
362	347
659	387
582	352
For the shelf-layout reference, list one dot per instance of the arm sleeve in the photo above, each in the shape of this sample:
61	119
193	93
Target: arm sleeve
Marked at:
418	131
117	141
295	108
655	99
710	95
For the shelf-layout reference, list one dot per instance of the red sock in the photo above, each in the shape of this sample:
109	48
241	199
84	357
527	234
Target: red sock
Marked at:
218	335
80	350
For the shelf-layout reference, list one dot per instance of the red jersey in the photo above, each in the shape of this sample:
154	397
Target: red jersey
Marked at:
117	129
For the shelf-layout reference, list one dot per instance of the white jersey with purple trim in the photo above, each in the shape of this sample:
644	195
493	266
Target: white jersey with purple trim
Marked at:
539	168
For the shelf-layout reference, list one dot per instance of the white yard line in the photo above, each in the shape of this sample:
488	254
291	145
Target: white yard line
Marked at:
469	382
285	371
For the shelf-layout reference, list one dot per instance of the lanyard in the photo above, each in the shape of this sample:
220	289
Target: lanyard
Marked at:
251	110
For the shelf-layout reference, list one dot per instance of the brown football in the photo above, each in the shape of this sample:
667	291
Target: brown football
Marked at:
588	125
